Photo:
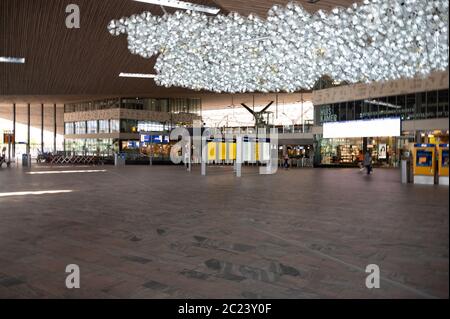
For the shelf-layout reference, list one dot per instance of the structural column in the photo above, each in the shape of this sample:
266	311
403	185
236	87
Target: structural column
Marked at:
54	128
14	131
28	128
42	128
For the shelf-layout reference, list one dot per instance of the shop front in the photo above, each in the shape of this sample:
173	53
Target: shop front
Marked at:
421	117
385	150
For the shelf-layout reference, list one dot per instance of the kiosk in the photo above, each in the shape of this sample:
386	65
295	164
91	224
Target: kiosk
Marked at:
424	163
443	164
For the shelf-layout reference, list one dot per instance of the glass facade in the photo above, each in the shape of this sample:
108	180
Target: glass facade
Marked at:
92	146
173	105
115	126
385	150
103	126
349	151
422	105
46	128
92	106
69	128
92	127
80	127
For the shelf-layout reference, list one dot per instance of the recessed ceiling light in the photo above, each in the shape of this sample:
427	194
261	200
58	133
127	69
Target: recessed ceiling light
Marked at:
7	59
182	5
137	75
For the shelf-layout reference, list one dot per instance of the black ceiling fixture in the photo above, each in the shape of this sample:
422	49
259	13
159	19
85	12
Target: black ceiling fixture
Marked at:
260	121
312	1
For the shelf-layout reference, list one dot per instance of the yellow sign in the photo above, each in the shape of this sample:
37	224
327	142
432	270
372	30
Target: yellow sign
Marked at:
211	151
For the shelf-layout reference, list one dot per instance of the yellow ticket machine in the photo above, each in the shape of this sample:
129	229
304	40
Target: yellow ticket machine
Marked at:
424	163
443	164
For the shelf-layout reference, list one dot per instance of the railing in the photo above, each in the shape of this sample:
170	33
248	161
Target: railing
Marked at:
298	162
76	159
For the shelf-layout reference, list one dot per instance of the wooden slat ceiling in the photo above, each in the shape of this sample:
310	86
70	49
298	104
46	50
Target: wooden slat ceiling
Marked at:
260	7
71	64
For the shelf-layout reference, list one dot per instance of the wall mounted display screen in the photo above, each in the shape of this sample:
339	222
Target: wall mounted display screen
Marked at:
363	128
424	158
156	139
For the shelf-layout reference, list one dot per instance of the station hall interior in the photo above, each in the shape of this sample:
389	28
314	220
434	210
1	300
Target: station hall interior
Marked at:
224	148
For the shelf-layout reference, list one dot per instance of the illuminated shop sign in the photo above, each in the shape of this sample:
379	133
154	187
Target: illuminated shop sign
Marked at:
363	128
327	115
157	139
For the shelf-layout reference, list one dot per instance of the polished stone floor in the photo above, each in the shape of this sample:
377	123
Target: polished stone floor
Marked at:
162	232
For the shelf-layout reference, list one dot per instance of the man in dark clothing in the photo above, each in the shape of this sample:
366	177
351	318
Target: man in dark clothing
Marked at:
368	162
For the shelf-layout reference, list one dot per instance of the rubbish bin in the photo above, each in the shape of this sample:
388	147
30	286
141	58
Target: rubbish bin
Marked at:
119	159
26	160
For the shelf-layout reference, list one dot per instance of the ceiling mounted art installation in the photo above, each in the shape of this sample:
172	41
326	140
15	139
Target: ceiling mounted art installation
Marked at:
290	50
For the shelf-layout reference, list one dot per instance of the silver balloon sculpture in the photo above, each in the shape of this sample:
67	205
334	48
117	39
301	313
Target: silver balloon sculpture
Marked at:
377	40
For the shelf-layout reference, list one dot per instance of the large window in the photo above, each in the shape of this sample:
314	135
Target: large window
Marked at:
103	126
175	105
80	127
147	126
128	126
432	104
114	126
343	111
69	128
443	103
92	127
422	105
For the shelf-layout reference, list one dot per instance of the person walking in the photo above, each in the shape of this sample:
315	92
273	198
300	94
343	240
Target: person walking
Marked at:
368	162
286	161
